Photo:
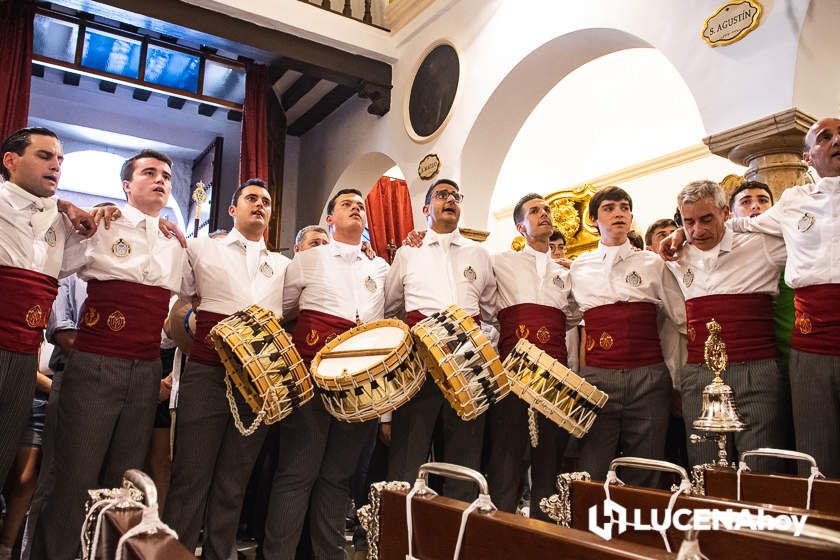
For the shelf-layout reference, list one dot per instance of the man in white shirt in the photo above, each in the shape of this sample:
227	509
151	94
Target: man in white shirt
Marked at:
732	278
331	288
445	269
626	296
212	460
111	381
310	237
534	302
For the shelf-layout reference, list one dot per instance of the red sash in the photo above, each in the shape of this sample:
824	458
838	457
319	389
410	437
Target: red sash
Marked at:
746	322
314	329
543	326
622	335
123	319
26	308
414	317
817	325
203	350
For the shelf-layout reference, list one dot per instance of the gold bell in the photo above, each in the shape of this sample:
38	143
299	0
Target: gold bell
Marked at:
719	413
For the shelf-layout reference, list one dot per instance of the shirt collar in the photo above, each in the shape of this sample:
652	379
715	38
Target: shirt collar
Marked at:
530	250
434	237
826	184
235	236
615	252
22	198
337	248
723	246
134	216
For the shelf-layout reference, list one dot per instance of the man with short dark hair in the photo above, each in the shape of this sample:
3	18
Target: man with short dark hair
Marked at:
657	231
212	460
445	269
332	288
750	199
733	279
111	382
624	293
534	302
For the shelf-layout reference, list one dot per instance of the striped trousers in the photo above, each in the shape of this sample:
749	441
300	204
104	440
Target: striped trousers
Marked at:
105	416
17	387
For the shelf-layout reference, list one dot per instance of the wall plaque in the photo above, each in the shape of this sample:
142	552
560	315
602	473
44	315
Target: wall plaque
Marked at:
731	22
428	167
429	103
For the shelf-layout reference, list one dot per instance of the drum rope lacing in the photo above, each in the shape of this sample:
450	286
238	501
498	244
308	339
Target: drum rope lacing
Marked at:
269	395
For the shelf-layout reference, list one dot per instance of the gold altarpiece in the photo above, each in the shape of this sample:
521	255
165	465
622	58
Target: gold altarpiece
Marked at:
569	210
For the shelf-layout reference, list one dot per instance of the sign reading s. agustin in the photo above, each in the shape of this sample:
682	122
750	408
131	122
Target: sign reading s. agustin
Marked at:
731	22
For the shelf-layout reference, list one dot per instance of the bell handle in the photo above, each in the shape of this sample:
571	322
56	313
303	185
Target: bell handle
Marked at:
780	453
454	471
649	464
145	484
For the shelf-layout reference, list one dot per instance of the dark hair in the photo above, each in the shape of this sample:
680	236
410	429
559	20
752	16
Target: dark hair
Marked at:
250	182
517	210
19	141
607	193
750	185
678	217
557	235
331	203
658	224
635	239
127	170
428	198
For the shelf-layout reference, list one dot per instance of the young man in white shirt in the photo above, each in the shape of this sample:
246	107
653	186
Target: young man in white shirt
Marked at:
445	269
212	460
331	289
534	302
110	387
732	278
625	294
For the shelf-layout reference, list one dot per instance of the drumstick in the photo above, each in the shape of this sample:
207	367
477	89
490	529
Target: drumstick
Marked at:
357	353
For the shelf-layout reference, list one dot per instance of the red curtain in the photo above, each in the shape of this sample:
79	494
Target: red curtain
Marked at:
16	22
389	215
254	149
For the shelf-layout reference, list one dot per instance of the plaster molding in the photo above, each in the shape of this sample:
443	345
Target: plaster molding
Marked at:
780	132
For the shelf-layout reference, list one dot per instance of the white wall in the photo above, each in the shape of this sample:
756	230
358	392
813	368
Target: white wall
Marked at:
514	52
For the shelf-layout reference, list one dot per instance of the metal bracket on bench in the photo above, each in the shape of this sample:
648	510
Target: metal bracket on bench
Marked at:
369	514
559	506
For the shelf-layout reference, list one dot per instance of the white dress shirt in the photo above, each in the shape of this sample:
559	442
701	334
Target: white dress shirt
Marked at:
218	271
808	218
133	250
742	263
337	279
34	232
433	276
532	277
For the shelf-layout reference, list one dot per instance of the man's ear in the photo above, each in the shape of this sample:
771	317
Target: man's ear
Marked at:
231	210
426	210
806	157
330	220
520	228
126	185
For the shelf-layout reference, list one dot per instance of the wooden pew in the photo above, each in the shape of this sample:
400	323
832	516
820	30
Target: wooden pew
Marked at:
487	536
117	521
578	494
776	489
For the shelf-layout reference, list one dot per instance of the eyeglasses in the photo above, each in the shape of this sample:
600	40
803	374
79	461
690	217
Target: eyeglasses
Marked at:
444	195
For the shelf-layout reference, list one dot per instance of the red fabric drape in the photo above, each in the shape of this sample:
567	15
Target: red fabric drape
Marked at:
389	215
16	22
254	149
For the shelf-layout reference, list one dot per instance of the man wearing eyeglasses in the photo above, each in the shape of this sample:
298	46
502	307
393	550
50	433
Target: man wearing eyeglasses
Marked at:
444	269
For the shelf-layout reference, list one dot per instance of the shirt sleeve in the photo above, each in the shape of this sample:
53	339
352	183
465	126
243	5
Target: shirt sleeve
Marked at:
394	287
293	286
487	297
75	254
770	222
774	249
673	302
188	284
63	315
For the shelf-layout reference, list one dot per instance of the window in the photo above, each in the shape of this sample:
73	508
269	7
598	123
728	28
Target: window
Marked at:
224	82
175	69
55	38
111	53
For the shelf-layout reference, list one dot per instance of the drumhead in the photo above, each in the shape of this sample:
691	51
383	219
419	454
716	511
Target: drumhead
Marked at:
379	337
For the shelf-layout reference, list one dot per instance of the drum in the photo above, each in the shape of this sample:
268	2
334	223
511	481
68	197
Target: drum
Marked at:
367	371
461	360
550	387
263	364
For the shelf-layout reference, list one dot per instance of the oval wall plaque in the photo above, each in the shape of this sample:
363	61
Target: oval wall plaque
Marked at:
731	22
433	91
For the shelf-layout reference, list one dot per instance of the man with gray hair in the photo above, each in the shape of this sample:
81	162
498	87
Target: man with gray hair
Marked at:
733	278
310	237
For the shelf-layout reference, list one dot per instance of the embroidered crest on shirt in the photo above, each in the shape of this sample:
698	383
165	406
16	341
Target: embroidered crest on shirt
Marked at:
543	335
35	317
606	341
688	278
370	284
121	248
470	274
633	279
91	316
266	270
49	236
805	222
522	331
116	321
559	281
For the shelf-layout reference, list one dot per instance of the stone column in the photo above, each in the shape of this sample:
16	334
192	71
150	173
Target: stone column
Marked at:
770	148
